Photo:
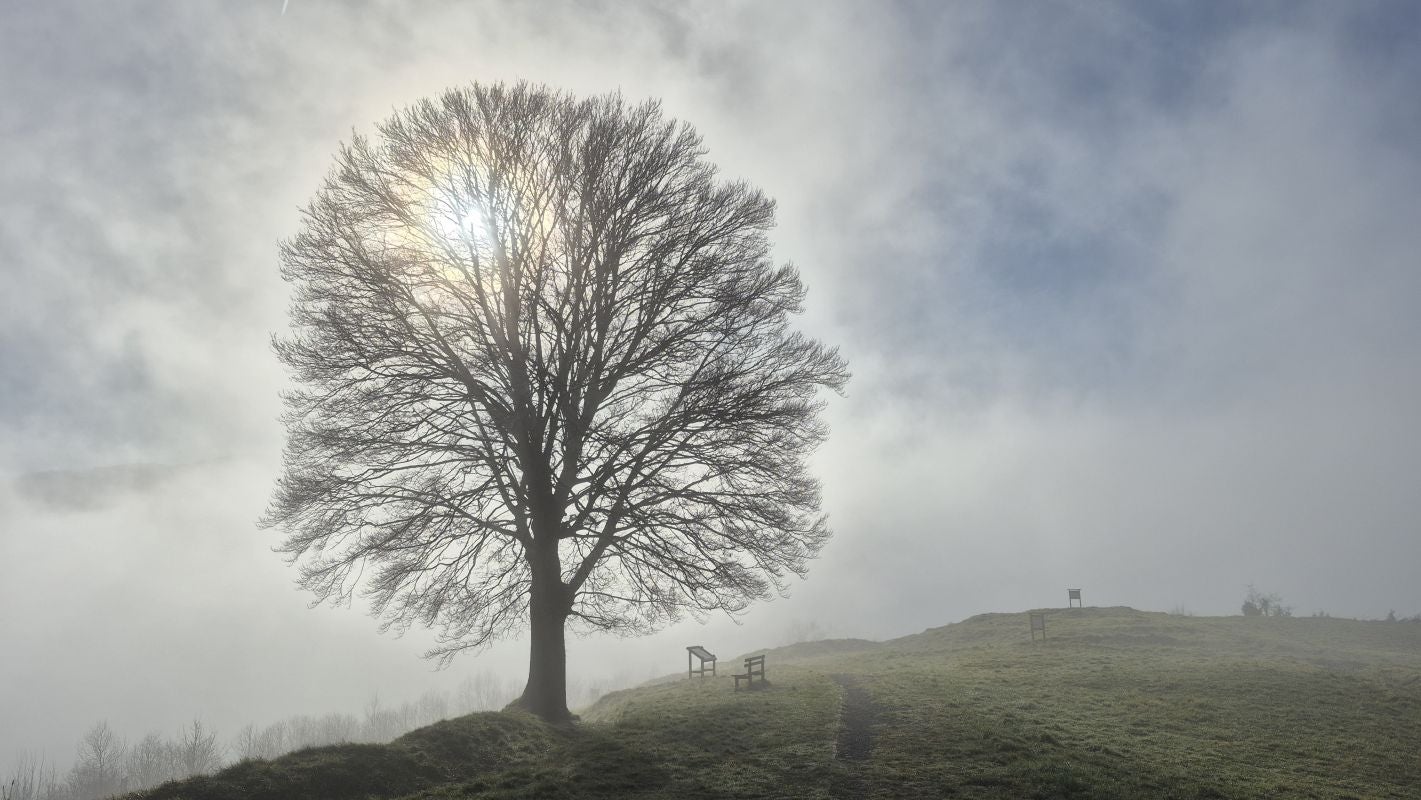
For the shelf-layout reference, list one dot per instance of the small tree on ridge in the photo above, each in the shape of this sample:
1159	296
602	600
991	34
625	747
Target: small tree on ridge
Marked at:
1258	604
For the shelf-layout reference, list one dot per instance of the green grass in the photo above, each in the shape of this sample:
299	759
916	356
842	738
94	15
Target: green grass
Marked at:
1116	703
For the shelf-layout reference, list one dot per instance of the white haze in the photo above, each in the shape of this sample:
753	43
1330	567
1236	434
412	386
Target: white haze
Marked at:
1129	293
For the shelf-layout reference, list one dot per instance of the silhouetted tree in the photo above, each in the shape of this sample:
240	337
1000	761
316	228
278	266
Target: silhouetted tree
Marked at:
545	375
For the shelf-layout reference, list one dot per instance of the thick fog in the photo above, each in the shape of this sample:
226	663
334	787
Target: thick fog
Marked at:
1129	292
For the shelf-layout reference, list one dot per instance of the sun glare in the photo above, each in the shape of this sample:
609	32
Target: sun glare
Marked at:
472	224
460	242
463	224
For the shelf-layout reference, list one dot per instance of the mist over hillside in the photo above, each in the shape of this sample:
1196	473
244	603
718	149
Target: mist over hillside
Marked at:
1127	293
1112	703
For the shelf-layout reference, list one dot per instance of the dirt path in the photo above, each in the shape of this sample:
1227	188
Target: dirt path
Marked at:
855	739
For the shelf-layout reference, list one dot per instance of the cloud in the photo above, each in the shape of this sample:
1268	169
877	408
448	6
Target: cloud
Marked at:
87	490
1178	356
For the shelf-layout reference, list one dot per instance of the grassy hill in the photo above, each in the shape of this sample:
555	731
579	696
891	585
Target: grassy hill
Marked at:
1116	703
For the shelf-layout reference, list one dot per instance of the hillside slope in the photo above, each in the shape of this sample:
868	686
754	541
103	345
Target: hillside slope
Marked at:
1116	703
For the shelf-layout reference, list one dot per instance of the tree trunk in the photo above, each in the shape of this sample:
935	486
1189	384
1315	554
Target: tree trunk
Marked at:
546	693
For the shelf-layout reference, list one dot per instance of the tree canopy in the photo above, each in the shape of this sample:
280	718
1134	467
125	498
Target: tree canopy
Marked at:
544	375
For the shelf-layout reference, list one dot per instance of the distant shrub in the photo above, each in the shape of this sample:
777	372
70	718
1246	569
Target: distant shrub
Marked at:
1258	604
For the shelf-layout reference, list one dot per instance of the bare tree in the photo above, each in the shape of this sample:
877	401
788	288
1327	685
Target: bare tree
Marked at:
150	762
432	708
248	745
34	778
196	751
98	772
483	691
545	374
381	724
270	742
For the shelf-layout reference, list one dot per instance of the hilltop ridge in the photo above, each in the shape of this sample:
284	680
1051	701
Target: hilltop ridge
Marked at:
1116	703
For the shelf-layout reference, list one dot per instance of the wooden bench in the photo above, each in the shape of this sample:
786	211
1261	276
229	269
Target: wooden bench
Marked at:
705	656
754	667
